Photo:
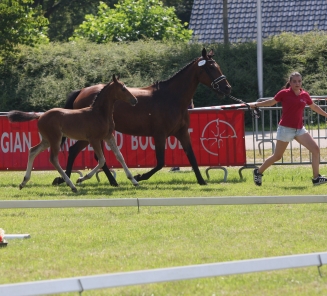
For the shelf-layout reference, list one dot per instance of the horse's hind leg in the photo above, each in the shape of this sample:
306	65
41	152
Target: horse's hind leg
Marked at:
160	155
33	152
54	160
111	141
184	137
73	152
101	161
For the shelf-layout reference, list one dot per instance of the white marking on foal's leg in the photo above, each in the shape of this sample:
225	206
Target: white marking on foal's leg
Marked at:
101	161
55	162
112	144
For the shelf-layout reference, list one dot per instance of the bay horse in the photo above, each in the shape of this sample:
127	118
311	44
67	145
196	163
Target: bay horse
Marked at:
91	125
162	111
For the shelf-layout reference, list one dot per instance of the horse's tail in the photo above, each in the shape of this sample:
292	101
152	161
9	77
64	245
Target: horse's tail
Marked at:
20	116
71	98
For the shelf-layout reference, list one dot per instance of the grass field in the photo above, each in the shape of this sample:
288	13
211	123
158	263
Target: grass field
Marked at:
87	241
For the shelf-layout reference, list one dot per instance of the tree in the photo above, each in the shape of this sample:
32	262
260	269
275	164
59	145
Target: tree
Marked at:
132	20
183	8
66	15
21	24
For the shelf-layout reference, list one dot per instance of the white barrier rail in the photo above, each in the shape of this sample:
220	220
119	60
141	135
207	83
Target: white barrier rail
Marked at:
145	202
80	284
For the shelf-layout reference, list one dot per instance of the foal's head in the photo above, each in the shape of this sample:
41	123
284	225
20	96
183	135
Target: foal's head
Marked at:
113	91
211	75
120	92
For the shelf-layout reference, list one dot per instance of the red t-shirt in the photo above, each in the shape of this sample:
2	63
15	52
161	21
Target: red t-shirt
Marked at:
292	107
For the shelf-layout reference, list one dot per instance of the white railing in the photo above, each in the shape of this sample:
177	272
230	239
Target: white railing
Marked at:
104	281
145	202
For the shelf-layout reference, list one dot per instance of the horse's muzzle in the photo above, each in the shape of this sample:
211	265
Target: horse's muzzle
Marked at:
221	85
134	101
228	89
224	91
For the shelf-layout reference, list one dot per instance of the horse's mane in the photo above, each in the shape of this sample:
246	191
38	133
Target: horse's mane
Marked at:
181	70
99	93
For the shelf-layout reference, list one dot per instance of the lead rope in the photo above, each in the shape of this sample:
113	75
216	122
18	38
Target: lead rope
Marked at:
254	112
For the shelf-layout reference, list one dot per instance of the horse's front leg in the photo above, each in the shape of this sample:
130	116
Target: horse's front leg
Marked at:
54	160
33	152
108	173
160	156
111	141
101	161
185	140
74	150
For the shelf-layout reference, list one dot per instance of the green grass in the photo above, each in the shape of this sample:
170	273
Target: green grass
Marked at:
87	241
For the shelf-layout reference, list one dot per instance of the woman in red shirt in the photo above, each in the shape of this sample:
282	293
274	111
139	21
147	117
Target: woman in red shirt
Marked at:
293	99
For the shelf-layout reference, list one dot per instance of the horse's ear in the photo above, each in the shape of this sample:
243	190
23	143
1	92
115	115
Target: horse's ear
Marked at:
204	53
114	79
211	53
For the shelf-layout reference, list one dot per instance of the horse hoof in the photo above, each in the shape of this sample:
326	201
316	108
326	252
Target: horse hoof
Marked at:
79	180
74	190
203	183
114	184
136	184
137	177
21	186
58	181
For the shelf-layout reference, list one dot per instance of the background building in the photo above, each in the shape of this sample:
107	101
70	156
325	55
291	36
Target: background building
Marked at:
277	16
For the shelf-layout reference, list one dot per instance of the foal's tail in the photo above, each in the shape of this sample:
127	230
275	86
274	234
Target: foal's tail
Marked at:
20	116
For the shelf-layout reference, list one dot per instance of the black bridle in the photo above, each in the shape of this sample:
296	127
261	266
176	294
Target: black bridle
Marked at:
215	86
215	81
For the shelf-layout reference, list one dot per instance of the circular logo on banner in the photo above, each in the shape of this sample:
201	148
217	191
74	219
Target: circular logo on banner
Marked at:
214	134
201	63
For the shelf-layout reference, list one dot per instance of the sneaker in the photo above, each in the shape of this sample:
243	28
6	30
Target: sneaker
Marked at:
257	177
174	169
319	180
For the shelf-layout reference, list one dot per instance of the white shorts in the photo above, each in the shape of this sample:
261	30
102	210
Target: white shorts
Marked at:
287	134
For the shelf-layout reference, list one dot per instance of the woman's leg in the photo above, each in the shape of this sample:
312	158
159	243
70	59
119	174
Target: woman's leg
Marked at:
278	154
308	142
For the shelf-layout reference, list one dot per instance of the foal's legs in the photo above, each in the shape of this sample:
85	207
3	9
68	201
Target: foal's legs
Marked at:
111	141
106	170
73	152
101	161
33	152
55	148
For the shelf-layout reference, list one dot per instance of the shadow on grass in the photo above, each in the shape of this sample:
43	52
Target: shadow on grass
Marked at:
294	187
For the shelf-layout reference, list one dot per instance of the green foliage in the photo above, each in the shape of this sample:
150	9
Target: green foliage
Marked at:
183	8
40	78
21	24
66	15
306	54
132	20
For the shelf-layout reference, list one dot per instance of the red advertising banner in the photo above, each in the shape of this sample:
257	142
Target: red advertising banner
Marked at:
217	138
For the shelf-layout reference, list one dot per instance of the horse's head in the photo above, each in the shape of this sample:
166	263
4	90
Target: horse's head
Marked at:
211	75
122	93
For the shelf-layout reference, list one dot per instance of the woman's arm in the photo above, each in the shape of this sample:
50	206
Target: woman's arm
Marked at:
317	109
267	103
